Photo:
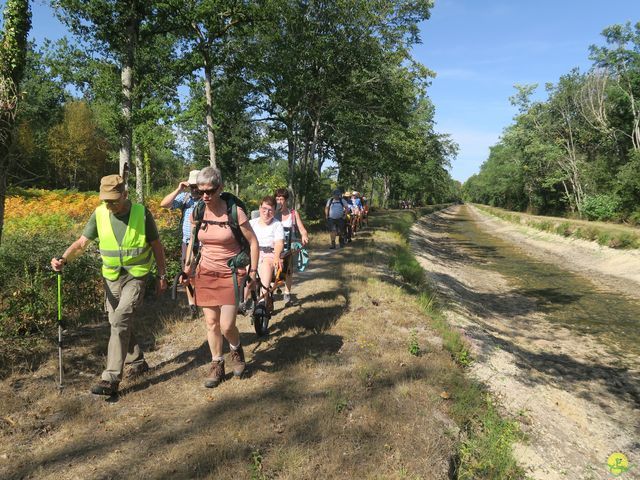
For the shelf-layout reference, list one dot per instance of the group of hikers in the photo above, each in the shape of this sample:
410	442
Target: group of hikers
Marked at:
226	257
345	214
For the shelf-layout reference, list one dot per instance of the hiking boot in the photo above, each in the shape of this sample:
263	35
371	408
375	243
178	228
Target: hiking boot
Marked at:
237	357
103	387
134	371
216	374
333	245
194	312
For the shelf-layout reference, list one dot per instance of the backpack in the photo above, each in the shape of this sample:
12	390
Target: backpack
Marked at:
290	233
333	200
242	258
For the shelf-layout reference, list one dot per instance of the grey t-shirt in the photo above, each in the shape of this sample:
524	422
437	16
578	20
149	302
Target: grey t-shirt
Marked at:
119	224
336	208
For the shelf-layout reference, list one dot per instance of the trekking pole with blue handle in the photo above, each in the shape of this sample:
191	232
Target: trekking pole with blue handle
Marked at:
60	326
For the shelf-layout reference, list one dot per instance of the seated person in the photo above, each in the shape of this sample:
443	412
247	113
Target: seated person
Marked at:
270	235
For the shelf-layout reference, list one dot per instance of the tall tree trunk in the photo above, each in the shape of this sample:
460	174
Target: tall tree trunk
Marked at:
126	78
371	192
3	197
147	173
139	172
386	190
291	160
211	140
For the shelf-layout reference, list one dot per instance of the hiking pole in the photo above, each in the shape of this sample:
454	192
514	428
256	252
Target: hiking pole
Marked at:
59	274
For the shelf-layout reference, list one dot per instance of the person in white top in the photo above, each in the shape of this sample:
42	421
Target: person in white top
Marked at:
292	224
270	239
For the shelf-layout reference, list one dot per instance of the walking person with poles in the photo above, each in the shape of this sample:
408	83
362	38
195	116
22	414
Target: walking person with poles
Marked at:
128	242
185	197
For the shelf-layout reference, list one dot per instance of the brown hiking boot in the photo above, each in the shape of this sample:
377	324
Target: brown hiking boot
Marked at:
216	374
237	357
136	370
104	387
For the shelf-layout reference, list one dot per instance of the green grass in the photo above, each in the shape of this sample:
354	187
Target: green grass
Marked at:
485	451
613	236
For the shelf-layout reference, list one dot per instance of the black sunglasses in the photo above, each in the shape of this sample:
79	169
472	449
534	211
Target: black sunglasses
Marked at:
211	191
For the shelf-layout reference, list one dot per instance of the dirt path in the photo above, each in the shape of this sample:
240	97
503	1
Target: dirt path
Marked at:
324	398
577	402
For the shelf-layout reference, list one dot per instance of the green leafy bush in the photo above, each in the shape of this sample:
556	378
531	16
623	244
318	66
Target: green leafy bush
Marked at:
600	207
28	286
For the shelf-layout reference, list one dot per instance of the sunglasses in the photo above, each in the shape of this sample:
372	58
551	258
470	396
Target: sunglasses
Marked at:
266	210
209	192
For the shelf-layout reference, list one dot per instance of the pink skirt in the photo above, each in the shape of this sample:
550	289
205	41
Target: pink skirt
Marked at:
213	289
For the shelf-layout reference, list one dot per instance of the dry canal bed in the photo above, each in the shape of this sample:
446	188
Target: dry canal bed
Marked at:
555	341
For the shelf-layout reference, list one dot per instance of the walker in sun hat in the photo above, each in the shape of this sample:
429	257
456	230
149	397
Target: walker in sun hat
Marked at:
111	187
193	177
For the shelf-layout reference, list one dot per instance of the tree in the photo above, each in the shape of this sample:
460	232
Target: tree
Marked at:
13	52
616	74
76	148
114	28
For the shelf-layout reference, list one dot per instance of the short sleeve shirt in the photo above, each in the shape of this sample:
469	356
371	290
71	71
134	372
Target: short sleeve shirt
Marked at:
267	234
185	202
119	224
218	243
336	208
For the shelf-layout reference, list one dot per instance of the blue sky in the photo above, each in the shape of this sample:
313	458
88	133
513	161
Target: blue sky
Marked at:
479	50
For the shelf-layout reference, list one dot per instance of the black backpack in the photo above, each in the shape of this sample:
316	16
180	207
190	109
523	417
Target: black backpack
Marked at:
238	261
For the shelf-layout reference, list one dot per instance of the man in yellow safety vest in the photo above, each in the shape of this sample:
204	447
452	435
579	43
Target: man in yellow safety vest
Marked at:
128	241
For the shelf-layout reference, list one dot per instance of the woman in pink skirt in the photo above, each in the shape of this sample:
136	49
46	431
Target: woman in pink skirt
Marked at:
212	278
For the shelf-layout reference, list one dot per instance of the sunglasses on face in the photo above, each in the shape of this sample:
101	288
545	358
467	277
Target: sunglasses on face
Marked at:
209	192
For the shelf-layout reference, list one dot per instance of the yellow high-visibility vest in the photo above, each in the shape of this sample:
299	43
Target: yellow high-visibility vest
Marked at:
134	254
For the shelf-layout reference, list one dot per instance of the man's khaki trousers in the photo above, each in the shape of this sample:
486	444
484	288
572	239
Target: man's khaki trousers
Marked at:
123	297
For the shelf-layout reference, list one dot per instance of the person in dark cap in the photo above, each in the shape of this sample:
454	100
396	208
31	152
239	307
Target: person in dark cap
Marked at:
128	242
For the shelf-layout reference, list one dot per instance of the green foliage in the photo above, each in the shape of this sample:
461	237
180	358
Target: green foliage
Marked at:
414	345
256	466
486	452
405	264
600	207
28	293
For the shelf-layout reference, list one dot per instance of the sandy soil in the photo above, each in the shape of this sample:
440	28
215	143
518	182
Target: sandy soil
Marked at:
576	402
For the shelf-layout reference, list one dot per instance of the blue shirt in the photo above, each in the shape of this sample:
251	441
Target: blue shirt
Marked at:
185	202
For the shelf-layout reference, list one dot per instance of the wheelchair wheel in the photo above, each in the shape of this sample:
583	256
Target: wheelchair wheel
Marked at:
261	319
175	284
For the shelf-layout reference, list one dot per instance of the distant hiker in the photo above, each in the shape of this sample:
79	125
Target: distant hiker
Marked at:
293	230
185	197
128	241
335	213
222	230
365	211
